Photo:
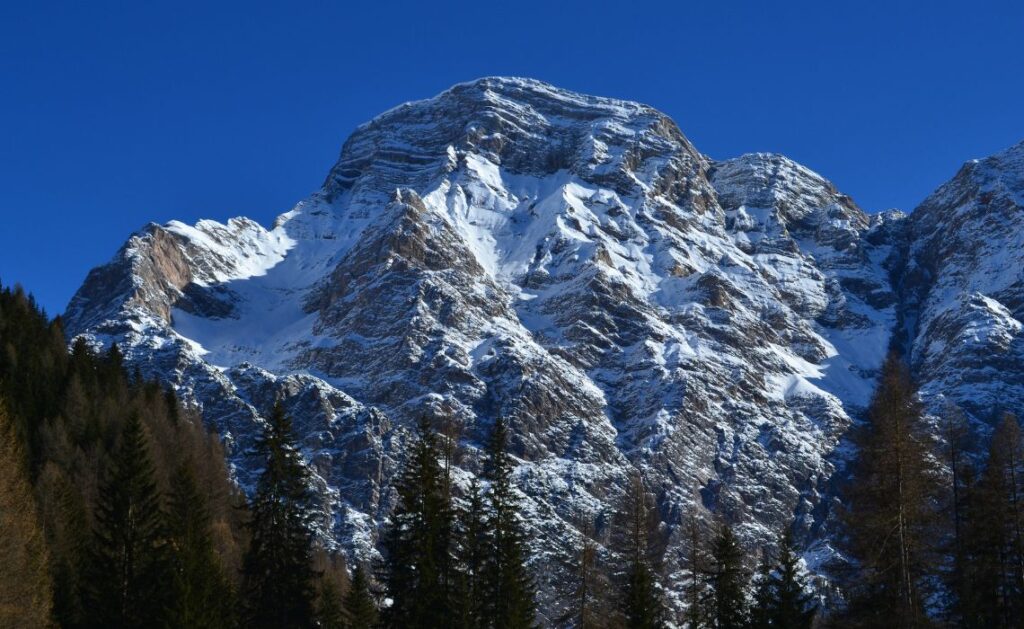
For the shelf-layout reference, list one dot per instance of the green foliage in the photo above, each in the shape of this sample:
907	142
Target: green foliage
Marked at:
202	596
994	548
780	597
279	577
472	551
129	564
729	581
509	586
69	411
359	605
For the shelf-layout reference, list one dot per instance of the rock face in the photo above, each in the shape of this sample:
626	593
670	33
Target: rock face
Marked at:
962	286
575	265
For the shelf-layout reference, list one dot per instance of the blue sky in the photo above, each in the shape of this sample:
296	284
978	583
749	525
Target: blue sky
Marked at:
117	114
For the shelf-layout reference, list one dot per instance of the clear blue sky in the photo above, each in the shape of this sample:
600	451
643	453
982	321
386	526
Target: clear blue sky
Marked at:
117	114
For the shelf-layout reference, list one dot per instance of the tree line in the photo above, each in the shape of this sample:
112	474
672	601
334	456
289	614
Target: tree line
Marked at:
117	511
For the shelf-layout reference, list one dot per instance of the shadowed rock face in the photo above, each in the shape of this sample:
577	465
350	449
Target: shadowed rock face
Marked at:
962	286
568	262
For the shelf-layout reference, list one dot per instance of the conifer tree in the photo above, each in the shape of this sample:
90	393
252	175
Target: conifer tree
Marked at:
588	595
129	566
761	613
330	609
202	595
697	564
360	609
792	606
26	589
955	452
419	542
729	581
278	565
472	551
996	563
642	604
509	587
888	519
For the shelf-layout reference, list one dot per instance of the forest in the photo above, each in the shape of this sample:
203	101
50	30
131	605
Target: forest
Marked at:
117	510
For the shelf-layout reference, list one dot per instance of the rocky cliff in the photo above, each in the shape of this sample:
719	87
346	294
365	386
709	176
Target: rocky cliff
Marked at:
575	265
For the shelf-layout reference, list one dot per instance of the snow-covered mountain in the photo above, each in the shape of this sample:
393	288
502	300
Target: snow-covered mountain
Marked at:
575	265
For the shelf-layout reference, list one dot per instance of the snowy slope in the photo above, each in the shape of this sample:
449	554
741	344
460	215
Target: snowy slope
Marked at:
573	264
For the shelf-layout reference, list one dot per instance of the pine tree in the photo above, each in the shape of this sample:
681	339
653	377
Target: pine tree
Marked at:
888	519
202	595
359	606
642	604
509	587
278	565
729	581
129	567
26	589
419	540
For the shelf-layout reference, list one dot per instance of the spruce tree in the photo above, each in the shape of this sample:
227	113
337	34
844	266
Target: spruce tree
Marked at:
642	604
419	540
330	609
129	565
278	565
792	607
729	581
472	548
202	596
360	609
888	519
509	587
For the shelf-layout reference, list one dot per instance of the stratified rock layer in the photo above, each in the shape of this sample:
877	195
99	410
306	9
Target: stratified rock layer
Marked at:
572	264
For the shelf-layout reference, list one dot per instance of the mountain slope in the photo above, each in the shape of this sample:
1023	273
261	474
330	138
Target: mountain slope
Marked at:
571	263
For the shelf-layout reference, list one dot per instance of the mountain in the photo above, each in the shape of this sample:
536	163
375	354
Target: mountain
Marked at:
575	265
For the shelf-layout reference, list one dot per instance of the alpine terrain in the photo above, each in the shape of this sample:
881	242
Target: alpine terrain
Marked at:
574	265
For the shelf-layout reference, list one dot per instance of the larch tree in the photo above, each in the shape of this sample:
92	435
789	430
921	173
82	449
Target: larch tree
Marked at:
889	521
996	553
26	588
698	567
641	602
